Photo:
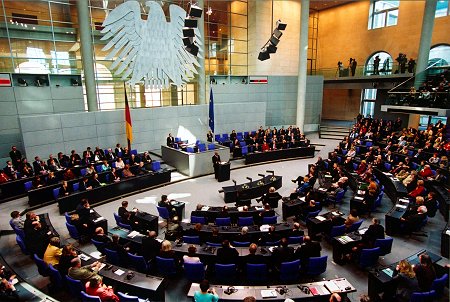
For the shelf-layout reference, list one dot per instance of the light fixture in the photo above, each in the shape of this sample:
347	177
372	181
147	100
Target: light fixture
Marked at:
209	11
271	45
188	32
277	33
274	40
192	49
271	48
264	55
192	23
188	41
281	25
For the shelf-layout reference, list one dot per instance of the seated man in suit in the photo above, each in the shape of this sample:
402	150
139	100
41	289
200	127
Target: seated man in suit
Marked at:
243	236
272	198
115	245
227	254
126	216
84	215
166	203
413	221
307	250
170	141
150	246
215	236
252	257
77	272
296	231
270	237
431	204
282	253
84	184
100	236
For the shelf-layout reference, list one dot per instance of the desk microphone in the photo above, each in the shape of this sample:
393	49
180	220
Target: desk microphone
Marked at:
249	179
262	175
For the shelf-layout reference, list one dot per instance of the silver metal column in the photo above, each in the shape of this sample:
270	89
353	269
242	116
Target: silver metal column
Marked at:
302	64
425	41
87	54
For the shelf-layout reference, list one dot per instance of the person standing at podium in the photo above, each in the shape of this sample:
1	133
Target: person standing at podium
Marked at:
170	140
216	162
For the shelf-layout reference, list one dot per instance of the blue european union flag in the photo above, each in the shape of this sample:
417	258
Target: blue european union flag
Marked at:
211	110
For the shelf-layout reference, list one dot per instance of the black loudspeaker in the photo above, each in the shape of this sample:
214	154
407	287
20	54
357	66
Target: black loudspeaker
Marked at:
280	25
188	41
274	40
277	33
190	23
195	12
271	48
263	55
192	49
188	32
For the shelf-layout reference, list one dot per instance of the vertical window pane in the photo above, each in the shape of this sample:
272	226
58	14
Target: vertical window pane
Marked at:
379	20
392	18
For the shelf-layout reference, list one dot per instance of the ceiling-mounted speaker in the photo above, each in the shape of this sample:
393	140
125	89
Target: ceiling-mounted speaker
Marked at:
263	55
195	12
190	23
274	40
271	48
277	33
188	41
192	49
281	25
188	32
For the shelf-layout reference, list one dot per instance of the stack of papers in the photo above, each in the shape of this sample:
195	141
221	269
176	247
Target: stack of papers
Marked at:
342	284
119	272
402	206
388	272
268	293
345	239
99	219
387	174
335	213
84	257
205	208
332	287
320	218
133	234
97	255
359	198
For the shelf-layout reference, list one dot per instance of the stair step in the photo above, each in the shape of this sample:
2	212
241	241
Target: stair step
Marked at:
335	128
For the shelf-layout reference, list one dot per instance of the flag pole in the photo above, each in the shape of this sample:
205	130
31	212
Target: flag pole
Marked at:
128	125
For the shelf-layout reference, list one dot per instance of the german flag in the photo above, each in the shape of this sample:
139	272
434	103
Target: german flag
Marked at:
128	125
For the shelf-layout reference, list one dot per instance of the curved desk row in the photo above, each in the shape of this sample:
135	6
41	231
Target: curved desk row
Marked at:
211	213
115	190
273	293
393	187
259	157
252	189
140	284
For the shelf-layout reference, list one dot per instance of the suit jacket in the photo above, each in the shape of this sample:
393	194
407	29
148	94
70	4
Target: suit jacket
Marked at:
375	231
15	156
150	247
82	273
255	259
308	250
110	156
216	160
282	254
102	238
170	141
227	255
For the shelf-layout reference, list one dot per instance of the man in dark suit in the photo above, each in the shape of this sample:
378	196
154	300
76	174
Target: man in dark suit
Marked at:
37	165
282	253
374	232
413	221
227	254
431	204
114	245
126	216
10	170
15	156
88	156
216	162
306	250
170	140
100	236
165	203
150	246
84	184
253	258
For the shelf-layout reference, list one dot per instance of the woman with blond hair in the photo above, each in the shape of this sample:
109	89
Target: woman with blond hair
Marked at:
405	277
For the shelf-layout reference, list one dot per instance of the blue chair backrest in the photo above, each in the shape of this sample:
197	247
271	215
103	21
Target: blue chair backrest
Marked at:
201	147
55	193
22	245
295	240
177	139
41	265
369	257
369	144
28	185
313	214
83	172
166	267
223	221
225	136
134	151
156	165
191	239
55	276
326	165
119	154
198	219
163	212
317	265
387	166
340	196
244	150
190	150
241	244
225	272
112	256
269	220
75	286
242	144
194	271
68	218
423	296
126	298
289	271
99	245
272	243
138	263
355	226
75	186
125	226
410	153
98	168
355	166
211	146
73	231
117	218
245	221
385	245
213	244
439	284
246	133
337	230
113	164
344	152
217	137
88	298
257	273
